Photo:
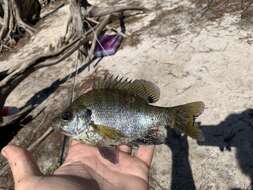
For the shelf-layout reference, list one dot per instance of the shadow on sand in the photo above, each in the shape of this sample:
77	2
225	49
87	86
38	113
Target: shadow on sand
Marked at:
182	177
235	131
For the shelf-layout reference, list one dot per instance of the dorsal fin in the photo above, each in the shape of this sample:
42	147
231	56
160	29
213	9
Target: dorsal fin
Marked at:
141	88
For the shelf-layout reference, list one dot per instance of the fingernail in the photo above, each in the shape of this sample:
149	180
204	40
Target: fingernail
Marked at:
3	151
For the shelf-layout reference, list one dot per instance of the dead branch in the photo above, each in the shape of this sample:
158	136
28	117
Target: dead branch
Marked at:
75	25
6	19
18	16
17	75
13	118
107	27
14	76
95	38
1	21
99	12
41	139
53	11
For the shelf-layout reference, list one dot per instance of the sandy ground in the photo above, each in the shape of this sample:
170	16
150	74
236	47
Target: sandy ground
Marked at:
189	59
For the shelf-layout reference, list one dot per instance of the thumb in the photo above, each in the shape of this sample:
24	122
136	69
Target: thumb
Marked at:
21	163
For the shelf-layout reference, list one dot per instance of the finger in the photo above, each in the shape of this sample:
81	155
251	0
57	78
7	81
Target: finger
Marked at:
125	148
21	163
145	153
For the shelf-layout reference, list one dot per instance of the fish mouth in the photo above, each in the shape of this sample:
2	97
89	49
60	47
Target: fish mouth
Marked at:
65	132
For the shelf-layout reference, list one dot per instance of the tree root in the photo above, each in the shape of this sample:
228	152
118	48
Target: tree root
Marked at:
14	22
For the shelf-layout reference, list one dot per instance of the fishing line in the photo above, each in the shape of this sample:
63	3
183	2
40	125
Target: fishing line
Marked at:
66	138
75	71
74	82
95	36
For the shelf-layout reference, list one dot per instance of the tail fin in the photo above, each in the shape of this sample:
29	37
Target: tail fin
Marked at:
185	119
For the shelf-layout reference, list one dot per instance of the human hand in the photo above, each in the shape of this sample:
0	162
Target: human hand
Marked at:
83	169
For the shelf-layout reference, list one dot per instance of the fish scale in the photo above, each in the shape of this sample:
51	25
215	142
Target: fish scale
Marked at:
121	112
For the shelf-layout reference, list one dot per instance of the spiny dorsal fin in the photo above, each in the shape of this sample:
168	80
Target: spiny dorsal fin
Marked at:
147	90
142	88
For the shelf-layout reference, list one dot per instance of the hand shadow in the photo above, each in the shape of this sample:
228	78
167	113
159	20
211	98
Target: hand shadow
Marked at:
182	177
235	131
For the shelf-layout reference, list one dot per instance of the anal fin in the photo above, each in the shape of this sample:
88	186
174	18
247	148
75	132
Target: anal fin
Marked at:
110	153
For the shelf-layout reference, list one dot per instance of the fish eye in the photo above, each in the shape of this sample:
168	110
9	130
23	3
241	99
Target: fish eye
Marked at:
67	116
89	112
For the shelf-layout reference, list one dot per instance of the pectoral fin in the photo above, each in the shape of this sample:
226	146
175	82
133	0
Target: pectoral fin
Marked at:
108	132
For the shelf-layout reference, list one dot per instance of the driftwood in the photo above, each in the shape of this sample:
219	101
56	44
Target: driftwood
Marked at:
17	17
84	27
84	42
79	37
98	11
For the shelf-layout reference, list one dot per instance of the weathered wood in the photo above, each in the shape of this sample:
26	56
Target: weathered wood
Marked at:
99	11
29	10
78	37
17	16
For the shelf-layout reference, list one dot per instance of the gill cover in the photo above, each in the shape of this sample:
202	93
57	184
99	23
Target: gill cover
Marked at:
75	122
